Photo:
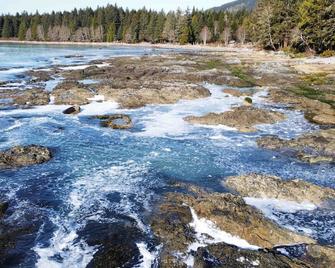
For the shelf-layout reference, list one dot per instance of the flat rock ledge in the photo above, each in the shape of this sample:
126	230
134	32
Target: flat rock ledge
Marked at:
267	186
152	92
172	224
313	148
21	156
244	118
116	121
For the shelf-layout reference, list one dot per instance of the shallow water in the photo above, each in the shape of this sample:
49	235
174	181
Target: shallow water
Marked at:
100	178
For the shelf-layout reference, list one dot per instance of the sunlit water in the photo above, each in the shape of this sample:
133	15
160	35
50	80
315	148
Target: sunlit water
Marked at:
100	178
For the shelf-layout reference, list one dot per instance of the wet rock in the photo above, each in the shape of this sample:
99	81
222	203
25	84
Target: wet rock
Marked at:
21	156
116	121
116	242
31	97
243	118
72	110
3	208
311	255
315	147
152	92
266	186
224	255
39	76
171	222
71	93
319	256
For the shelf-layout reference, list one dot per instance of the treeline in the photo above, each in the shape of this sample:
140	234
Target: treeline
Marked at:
112	23
274	24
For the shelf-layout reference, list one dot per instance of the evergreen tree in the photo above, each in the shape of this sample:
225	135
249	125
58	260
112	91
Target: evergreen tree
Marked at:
22	30
111	32
6	28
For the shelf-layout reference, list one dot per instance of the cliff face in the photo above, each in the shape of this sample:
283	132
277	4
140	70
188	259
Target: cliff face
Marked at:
236	5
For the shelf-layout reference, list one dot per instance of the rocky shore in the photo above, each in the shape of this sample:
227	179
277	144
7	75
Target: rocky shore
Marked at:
198	227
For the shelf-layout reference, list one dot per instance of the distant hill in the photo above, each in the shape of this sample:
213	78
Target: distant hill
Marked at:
237	5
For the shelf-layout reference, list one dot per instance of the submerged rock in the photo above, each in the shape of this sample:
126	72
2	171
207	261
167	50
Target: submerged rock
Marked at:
72	110
116	121
21	156
313	148
266	186
243	118
3	208
116	244
71	93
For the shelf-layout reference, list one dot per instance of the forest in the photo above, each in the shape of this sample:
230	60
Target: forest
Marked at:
298	25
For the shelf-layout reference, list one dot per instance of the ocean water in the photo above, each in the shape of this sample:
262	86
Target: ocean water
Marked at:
101	181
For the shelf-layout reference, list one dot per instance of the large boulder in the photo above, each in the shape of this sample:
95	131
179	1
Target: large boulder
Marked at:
313	147
244	118
266	186
21	156
72	93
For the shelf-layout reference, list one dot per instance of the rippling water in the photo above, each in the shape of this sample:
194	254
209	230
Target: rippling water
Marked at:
100	178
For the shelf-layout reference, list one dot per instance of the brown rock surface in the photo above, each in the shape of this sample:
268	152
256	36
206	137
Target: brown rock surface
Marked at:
72	93
313	148
266	186
21	156
243	118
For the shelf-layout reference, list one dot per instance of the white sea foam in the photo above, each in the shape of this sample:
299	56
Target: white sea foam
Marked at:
206	233
88	201
149	258
97	98
99	108
267	205
64	243
168	120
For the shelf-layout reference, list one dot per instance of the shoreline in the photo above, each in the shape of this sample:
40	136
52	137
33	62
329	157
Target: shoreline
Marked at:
142	44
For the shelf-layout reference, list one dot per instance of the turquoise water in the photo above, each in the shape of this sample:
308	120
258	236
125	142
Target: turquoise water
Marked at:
101	179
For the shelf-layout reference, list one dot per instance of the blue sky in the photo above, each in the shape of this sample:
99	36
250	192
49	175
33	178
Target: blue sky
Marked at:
12	6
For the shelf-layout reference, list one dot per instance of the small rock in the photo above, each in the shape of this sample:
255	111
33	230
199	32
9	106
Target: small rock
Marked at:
111	121
72	110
